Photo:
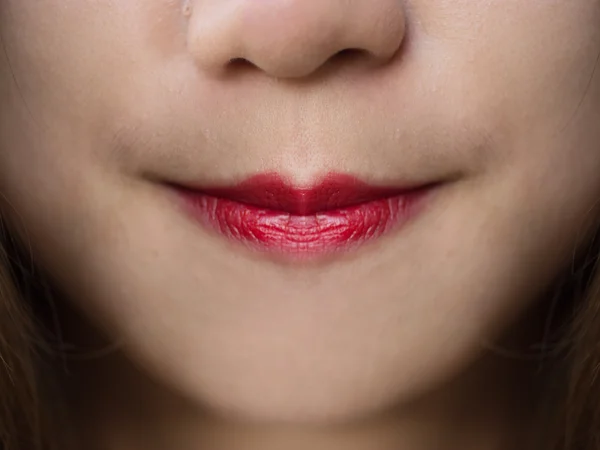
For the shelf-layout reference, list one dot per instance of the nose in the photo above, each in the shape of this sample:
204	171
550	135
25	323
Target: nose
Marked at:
292	38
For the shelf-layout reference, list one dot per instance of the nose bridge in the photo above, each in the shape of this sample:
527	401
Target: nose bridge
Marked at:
292	38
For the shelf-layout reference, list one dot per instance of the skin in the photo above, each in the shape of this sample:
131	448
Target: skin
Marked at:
100	99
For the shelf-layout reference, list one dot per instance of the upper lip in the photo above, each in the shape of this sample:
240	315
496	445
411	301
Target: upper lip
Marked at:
332	192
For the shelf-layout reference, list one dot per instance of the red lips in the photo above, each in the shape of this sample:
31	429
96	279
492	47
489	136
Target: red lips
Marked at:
270	215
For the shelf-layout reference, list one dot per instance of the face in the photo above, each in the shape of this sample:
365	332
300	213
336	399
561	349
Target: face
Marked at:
106	106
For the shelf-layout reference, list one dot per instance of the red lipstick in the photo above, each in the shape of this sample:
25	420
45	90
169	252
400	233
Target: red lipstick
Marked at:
270	215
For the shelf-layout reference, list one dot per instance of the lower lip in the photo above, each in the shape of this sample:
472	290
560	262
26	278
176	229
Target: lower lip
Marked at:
304	236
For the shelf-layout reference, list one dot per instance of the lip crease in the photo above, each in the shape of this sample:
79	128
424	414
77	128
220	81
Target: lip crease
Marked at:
338	214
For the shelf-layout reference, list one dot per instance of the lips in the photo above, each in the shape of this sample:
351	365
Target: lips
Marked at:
337	215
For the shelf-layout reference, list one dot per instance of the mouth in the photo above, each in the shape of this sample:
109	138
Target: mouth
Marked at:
269	215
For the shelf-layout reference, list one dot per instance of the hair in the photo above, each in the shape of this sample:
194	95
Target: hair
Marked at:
21	405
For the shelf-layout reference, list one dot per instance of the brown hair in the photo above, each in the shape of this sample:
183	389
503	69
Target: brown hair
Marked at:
29	406
21	402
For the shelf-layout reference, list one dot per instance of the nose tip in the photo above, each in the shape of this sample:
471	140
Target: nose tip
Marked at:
293	38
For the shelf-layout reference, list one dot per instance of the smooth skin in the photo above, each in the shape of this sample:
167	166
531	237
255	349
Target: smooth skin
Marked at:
103	100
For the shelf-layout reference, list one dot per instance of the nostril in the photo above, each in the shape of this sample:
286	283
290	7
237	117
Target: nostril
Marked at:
239	62
349	55
239	65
